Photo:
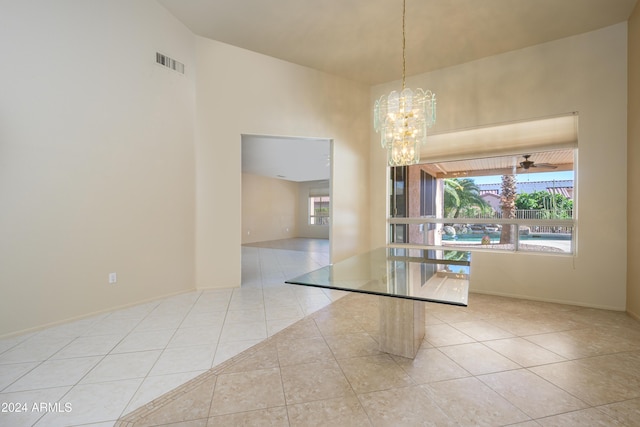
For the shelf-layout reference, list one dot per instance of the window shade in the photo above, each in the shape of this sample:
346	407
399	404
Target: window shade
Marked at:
318	192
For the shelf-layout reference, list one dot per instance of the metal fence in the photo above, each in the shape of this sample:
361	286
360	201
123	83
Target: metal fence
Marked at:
533	214
521	214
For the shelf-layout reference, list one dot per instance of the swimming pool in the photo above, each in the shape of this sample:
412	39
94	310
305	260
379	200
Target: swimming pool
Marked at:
495	237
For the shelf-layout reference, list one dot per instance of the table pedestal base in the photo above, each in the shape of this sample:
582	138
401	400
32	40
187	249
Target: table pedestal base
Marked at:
401	326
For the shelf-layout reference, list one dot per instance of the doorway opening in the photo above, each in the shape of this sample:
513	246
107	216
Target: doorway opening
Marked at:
286	206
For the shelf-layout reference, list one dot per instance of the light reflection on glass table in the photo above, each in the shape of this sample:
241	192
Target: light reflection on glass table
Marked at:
408	277
440	276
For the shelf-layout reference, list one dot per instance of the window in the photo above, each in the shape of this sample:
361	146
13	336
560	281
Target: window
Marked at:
519	202
398	204
318	210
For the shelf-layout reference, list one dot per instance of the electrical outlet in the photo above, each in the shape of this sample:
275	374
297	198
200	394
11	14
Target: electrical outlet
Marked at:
113	278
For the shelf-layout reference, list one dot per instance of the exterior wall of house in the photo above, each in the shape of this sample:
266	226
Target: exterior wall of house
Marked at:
493	200
585	74
413	190
242	92
96	159
633	158
564	187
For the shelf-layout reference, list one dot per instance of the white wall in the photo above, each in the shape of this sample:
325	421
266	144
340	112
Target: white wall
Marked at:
241	92
96	158
111	163
587	74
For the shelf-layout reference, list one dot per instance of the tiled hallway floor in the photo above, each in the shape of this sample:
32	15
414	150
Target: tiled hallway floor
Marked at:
108	365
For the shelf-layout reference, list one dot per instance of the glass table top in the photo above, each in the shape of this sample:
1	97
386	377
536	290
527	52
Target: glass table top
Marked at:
419	274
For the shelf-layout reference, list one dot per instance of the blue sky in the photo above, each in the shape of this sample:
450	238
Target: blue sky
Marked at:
524	177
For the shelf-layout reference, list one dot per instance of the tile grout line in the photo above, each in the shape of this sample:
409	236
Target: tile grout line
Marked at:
87	373
159	356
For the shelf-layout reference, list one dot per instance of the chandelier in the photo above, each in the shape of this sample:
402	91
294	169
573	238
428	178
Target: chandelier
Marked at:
402	118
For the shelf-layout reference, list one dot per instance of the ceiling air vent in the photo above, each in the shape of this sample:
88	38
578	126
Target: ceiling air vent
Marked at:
165	61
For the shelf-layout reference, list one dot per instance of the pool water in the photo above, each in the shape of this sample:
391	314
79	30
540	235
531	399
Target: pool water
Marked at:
495	237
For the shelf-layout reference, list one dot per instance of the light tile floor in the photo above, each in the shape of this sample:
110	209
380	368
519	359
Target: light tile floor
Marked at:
108	365
498	362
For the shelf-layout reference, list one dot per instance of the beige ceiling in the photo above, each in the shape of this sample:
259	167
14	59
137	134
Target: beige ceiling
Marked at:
362	39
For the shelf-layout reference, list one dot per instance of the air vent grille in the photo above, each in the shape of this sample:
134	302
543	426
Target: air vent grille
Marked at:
165	61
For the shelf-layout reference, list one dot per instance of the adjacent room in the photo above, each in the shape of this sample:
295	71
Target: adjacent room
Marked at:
286	199
167	165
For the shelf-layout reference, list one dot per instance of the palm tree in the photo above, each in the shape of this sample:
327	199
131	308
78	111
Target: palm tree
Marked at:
460	194
508	204
456	255
451	196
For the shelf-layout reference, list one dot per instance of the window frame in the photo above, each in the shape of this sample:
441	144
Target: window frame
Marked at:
313	216
520	226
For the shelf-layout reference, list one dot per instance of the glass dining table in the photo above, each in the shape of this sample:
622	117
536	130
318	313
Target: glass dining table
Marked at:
404	278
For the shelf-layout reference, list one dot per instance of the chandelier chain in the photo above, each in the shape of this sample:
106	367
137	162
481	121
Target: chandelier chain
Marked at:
404	42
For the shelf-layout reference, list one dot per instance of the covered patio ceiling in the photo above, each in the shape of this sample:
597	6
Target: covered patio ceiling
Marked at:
500	149
545	161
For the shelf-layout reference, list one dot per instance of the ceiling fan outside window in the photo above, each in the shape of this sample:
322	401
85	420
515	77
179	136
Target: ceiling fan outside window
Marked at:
526	164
